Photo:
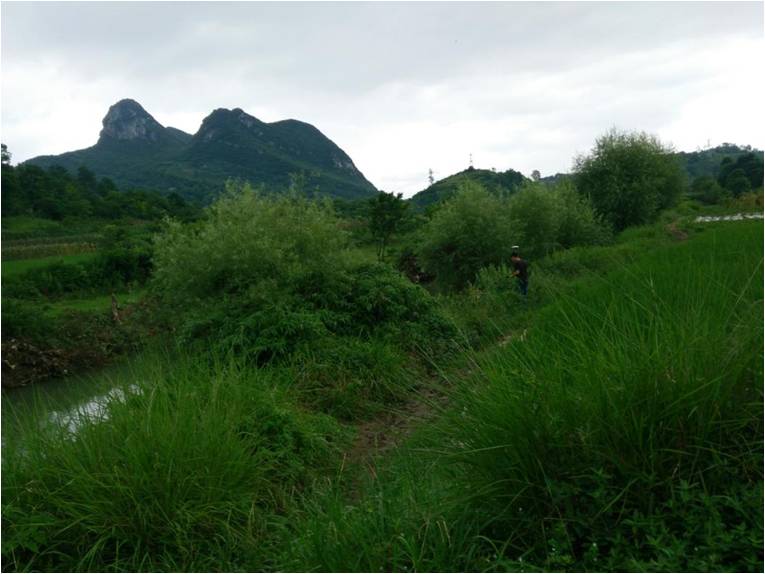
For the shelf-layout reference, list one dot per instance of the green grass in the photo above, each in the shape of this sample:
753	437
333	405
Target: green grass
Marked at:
98	304
191	473
623	432
19	267
627	427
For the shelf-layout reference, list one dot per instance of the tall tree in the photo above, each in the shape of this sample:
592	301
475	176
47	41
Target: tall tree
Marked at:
386	214
629	177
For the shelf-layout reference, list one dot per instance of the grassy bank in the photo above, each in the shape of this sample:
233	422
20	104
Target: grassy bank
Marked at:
617	425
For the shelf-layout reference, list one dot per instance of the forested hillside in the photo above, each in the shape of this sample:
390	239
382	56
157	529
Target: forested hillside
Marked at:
136	151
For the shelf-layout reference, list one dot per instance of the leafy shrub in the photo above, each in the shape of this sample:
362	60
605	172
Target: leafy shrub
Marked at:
108	270
24	319
262	274
629	178
470	231
553	218
476	229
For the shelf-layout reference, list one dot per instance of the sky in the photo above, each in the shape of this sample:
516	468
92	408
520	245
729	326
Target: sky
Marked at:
401	87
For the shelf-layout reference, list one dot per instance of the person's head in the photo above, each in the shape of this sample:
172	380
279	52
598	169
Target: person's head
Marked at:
514	253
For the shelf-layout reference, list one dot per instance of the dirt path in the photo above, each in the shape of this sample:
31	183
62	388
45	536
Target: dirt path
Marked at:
389	429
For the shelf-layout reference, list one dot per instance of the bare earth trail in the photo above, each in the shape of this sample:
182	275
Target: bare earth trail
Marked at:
390	429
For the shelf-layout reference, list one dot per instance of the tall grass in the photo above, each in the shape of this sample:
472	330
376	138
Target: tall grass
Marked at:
189	474
626	430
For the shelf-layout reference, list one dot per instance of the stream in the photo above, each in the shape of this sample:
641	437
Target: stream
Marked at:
64	401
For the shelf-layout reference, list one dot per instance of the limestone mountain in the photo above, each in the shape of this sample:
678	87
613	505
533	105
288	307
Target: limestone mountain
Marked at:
136	151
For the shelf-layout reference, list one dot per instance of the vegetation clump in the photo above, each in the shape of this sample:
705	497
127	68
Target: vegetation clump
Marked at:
629	178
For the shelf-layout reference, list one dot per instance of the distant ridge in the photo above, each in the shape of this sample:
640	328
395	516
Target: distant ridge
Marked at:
136	151
443	189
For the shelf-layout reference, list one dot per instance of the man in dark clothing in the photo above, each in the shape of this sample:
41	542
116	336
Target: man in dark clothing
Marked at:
521	271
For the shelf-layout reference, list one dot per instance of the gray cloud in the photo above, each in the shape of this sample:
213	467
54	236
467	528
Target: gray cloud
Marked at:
402	87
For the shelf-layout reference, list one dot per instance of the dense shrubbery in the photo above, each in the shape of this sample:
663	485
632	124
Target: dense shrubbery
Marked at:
56	194
263	274
477	229
108	270
472	230
629	178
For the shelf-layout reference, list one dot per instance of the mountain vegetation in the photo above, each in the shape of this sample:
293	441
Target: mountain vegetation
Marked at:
496	182
136	151
707	162
318	384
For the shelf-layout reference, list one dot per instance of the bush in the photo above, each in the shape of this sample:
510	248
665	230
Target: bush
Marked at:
476	229
553	218
25	319
629	177
109	270
261	275
472	230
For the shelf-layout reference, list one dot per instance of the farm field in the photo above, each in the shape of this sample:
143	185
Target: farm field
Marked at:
17	267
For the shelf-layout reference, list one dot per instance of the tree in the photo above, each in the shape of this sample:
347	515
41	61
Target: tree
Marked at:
469	231
706	189
386	214
629	178
13	200
535	175
737	182
431	179
5	155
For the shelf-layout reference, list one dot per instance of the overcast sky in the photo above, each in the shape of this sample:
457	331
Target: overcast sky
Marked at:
401	87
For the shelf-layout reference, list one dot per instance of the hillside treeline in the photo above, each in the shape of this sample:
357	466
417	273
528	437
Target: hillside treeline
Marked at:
55	194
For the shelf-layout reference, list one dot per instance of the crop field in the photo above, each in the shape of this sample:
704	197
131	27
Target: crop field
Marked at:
17	267
97	304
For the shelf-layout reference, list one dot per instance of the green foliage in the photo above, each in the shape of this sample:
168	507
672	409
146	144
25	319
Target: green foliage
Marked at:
706	189
501	184
742	174
629	178
477	229
472	230
56	194
738	182
262	274
189	474
79	274
24	319
555	217
625	431
352	378
706	162
386	215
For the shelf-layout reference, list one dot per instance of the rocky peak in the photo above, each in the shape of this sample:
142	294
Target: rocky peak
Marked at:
222	120
127	120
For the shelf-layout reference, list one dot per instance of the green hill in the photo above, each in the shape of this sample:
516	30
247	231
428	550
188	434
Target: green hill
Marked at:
507	181
136	151
707	162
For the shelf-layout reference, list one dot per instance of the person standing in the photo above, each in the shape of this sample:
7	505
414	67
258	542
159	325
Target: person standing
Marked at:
521	271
